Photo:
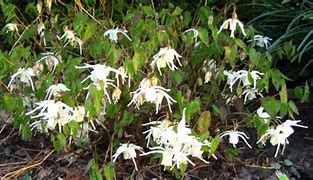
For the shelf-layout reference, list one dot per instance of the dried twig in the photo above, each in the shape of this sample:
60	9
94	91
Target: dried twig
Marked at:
17	173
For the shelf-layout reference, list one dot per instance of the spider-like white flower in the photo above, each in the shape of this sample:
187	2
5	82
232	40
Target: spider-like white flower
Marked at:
24	75
51	59
243	76
112	34
231	76
70	38
250	94
147	92
234	137
100	74
279	135
231	24
165	57
12	27
55	90
263	115
53	113
129	152
262	41
195	35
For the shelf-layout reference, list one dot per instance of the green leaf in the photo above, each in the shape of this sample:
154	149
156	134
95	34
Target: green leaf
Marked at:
276	165
287	162
271	105
109	171
203	14
306	93
26	132
298	92
177	76
148	11
254	57
9	103
112	110
293	107
138	60
214	144
240	43
187	18
204	36
283	94
62	139
204	122
177	11
192	108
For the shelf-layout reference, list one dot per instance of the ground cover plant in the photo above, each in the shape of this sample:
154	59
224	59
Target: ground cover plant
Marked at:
170	85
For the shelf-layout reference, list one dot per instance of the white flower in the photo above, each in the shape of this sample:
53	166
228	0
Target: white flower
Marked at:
234	137
279	135
12	27
112	33
53	113
195	35
55	90
129	152
263	115
154	94
243	76
165	57
262	41
231	76
24	76
79	113
71	38
50	59
250	94
286	127
231	24
100	74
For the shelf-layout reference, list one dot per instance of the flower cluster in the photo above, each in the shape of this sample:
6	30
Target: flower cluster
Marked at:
55	113
175	146
243	77
278	136
100	77
148	91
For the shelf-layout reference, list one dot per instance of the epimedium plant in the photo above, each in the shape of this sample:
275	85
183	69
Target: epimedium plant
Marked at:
172	73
